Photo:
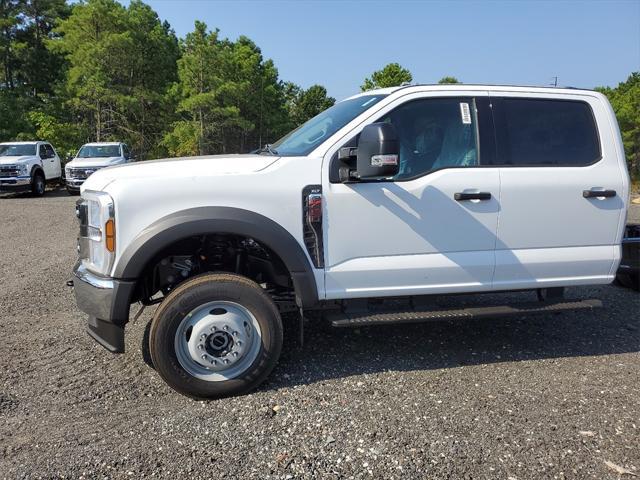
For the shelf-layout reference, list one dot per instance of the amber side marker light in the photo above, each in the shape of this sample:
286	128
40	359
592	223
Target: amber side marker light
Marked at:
110	235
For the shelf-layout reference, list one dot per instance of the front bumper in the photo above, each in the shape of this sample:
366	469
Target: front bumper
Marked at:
74	184
106	301
15	184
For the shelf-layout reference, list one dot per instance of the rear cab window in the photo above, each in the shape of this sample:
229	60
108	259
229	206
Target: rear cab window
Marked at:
545	132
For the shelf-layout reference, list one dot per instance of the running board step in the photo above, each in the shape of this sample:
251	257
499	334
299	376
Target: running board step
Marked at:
416	316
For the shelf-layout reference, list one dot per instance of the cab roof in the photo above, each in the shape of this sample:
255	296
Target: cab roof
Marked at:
100	144
469	86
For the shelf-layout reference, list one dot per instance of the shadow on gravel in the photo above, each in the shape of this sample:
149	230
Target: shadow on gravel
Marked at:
331	353
51	192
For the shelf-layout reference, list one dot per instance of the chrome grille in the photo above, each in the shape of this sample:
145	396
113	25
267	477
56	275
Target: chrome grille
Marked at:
9	171
80	173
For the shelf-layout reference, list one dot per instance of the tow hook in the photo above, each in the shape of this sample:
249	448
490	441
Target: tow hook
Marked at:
70	283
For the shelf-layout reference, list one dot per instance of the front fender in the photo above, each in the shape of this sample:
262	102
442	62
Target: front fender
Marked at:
206	220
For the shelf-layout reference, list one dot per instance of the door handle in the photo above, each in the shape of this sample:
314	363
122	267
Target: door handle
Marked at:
598	193
462	196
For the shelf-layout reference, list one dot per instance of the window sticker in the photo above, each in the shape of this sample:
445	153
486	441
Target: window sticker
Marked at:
465	113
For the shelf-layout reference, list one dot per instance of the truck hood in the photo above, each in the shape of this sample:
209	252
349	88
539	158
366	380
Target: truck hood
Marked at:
17	160
94	162
181	167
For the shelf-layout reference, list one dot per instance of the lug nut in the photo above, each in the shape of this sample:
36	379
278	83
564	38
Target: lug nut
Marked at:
235	334
213	329
239	343
225	328
204	357
203	336
200	347
226	362
235	354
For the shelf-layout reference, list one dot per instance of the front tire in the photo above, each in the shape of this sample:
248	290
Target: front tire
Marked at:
216	335
37	185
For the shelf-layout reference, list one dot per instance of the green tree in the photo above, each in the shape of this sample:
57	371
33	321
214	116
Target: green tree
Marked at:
41	69
30	72
122	61
625	100
229	98
10	21
448	80
391	75
305	104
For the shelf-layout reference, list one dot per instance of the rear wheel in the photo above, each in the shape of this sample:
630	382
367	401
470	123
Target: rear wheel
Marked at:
38	184
629	280
216	335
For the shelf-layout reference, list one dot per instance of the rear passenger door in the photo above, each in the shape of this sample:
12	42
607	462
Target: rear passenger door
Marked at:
553	151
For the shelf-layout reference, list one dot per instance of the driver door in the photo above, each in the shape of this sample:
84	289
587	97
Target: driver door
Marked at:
48	161
409	235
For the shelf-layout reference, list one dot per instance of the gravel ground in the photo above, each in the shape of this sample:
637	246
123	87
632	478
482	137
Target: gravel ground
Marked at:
544	397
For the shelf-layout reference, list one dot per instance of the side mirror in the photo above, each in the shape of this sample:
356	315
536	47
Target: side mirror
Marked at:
378	151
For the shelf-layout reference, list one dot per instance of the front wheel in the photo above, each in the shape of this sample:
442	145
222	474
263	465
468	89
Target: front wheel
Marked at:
215	335
37	185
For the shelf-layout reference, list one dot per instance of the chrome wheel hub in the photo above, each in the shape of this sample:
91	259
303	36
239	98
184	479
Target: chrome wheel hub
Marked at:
217	341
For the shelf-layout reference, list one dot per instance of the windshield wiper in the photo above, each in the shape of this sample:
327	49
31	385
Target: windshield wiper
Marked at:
266	149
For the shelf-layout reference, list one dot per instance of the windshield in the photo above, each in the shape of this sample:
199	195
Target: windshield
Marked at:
17	150
309	135
96	151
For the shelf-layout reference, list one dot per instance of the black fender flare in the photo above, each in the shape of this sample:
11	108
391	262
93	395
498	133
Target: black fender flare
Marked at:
207	220
35	169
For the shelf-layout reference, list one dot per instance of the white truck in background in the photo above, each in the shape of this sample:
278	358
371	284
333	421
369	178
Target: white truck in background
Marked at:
365	214
92	157
28	167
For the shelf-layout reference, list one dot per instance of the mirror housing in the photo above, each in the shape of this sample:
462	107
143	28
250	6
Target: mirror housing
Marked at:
378	151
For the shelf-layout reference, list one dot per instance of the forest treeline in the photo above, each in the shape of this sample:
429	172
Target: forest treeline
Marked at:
96	70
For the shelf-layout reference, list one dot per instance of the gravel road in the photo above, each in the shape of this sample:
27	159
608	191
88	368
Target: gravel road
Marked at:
544	397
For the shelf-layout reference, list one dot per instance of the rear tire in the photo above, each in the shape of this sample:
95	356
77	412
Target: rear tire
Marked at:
215	335
73	192
38	184
629	280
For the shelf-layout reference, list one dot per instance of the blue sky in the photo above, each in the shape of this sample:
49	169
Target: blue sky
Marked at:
338	43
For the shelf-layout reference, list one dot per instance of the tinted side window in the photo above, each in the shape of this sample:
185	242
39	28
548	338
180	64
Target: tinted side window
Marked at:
42	151
50	151
435	133
547	132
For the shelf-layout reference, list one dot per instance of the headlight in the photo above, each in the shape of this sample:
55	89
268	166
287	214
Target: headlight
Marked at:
97	231
23	169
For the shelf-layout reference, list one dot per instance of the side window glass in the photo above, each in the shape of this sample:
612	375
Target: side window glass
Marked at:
548	132
50	152
42	151
434	134
126	152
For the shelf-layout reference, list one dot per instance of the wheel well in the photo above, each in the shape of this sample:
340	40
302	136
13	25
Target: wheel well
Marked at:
37	170
214	252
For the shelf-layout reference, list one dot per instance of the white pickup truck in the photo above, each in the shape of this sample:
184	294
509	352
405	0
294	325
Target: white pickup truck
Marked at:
92	157
363	214
28	167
